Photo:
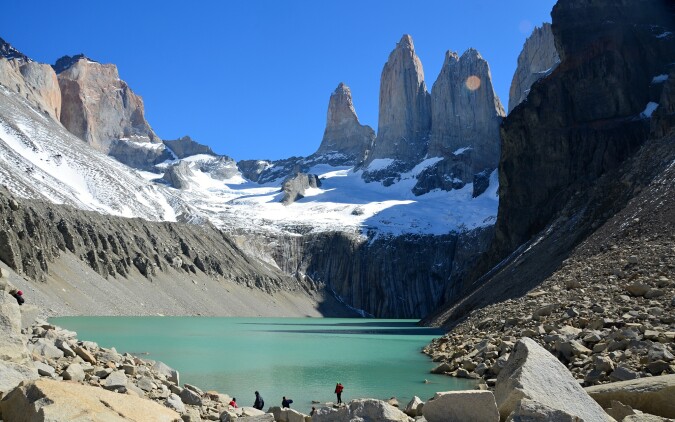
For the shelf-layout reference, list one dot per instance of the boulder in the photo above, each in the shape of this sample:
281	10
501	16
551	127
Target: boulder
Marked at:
294	186
411	407
49	400
29	313
654	395
619	410
44	369
164	369
174	402
533	373
11	374
461	406
361	409
292	415
73	372
116	380
13	344
84	354
190	397
531	411
46	348
643	417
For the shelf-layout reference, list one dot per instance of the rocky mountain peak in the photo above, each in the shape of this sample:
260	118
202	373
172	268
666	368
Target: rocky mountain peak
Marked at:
538	59
9	52
186	147
466	112
344	134
65	62
405	110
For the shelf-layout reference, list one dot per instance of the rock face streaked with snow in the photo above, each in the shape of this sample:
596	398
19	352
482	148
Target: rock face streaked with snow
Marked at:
186	147
405	107
538	59
100	108
344	134
34	81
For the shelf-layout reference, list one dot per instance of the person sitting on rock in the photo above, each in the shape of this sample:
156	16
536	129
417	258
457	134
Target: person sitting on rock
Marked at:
18	295
259	402
286	403
233	402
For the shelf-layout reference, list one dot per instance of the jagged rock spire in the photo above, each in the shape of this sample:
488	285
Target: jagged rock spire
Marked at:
405	110
344	134
466	112
538	58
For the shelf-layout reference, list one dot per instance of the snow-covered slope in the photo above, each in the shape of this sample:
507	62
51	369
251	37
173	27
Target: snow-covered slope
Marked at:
39	158
344	202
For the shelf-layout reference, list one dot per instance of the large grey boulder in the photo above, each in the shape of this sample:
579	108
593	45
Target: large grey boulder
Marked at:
405	107
116	381
294	187
472	405
29	314
344	134
538	58
532	411
361	410
12	374
654	395
533	373
46	348
74	372
466	112
411	407
13	344
48	400
164	369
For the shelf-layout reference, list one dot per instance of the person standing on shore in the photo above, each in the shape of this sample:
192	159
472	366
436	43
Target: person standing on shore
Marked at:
286	403
233	402
259	402
338	390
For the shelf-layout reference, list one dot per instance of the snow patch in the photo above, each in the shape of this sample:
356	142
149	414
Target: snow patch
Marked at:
380	164
659	79
649	109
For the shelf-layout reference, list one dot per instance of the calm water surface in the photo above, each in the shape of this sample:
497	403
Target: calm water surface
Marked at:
301	358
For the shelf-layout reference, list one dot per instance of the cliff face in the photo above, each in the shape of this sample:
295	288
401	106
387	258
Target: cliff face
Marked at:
186	147
569	152
344	134
405	109
100	108
538	59
586	117
34	81
465	111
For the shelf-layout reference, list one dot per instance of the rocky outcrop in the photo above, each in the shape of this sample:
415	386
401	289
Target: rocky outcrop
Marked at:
652	395
533	373
178	175
139	155
294	187
34	81
537	59
186	147
405	107
49	400
466	112
461	406
101	109
344	135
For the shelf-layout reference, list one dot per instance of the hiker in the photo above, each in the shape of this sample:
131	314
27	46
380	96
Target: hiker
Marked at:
286	403
313	411
338	391
18	295
259	402
233	402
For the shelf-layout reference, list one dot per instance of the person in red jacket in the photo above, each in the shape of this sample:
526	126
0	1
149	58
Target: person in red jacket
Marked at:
338	391
233	402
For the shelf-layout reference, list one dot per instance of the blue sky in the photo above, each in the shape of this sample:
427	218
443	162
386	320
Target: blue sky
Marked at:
252	78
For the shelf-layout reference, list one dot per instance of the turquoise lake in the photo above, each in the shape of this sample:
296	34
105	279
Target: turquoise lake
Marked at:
300	358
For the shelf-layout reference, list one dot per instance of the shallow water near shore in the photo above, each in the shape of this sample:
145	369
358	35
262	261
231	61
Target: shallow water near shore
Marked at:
300	358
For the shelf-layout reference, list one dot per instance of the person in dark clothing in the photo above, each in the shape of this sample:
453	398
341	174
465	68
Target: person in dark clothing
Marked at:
338	391
313	411
286	403
259	402
18	295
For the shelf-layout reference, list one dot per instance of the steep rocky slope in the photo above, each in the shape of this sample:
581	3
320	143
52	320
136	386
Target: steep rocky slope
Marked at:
577	136
538	59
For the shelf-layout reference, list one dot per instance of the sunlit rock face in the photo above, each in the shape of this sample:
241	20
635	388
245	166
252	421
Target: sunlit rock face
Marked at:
537	60
405	107
34	81
465	111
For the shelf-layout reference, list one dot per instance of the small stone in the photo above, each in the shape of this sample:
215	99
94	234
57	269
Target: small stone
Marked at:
637	289
657	367
633	260
174	402
653	293
623	374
